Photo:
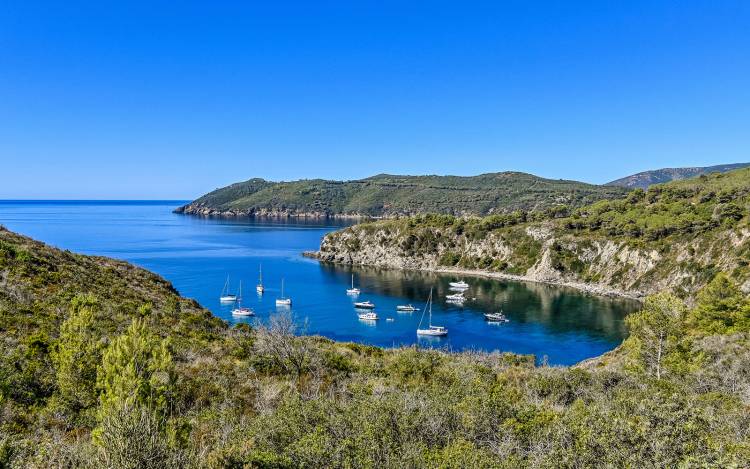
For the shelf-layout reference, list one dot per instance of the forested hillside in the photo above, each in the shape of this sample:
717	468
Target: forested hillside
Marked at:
645	179
674	236
103	365
387	195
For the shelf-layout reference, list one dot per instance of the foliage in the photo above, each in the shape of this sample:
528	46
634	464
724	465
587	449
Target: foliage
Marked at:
77	354
136	370
404	195
179	389
655	332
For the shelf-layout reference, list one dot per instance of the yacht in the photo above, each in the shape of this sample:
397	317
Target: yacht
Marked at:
260	288
431	330
371	316
283	301
239	310
225	296
495	317
364	305
456	297
407	308
460	284
353	290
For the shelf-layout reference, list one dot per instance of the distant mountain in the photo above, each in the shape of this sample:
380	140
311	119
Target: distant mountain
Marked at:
389	195
658	176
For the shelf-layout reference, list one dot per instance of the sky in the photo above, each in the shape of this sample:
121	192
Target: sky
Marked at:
168	100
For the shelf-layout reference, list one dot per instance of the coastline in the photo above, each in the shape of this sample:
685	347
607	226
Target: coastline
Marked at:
202	211
592	289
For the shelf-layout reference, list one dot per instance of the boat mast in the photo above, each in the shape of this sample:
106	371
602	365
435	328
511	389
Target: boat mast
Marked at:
429	305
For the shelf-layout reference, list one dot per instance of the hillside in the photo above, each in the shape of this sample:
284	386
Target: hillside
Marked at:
658	176
103	365
387	195
674	236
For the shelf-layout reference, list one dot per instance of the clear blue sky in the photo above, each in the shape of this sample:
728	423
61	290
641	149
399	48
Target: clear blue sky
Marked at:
170	99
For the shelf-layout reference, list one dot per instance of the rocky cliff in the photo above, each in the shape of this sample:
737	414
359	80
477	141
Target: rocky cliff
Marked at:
540	252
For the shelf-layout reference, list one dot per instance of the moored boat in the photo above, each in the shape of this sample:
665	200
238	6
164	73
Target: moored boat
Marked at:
364	305
260	288
353	290
406	308
225	296
283	301
371	316
431	330
495	317
239	310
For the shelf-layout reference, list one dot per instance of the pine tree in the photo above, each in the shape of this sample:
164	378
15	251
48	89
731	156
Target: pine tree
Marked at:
77	354
136	370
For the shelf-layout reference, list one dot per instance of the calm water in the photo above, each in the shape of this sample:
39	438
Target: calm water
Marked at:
198	254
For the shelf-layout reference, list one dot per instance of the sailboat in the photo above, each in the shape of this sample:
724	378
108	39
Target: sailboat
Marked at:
460	285
353	290
239	310
260	288
283	301
431	330
227	297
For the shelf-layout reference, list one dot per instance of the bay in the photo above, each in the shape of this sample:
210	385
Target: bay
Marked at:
558	325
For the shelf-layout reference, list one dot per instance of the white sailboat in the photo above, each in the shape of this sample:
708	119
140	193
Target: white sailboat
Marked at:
225	296
283	301
456	298
353	290
239	310
260	288
370	316
437	331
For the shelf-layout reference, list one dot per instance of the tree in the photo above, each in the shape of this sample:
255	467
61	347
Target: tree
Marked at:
278	342
655	331
136	369
77	354
721	308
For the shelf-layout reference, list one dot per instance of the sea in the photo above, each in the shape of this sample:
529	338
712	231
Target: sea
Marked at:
200	256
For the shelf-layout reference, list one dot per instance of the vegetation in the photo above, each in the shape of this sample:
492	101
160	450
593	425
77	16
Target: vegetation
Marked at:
104	365
694	228
659	176
387	195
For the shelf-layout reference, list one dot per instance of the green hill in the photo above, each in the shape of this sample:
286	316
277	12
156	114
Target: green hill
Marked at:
659	176
104	365
387	195
674	236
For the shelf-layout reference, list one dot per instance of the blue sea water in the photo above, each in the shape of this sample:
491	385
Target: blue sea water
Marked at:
198	254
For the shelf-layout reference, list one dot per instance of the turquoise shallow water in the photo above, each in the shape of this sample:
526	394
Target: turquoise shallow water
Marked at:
197	255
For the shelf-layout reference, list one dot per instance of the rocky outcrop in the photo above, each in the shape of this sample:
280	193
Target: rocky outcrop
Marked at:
206	211
537	253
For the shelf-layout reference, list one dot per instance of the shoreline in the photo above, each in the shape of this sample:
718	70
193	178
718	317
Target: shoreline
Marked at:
209	212
592	289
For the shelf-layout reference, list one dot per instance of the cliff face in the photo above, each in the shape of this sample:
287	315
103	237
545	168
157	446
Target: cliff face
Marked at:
540	252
